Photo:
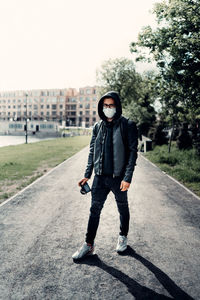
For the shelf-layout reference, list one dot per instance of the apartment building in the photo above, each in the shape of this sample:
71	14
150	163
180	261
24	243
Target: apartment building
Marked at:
81	107
66	106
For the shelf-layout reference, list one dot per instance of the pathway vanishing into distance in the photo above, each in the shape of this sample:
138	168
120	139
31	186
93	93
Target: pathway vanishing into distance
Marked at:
42	226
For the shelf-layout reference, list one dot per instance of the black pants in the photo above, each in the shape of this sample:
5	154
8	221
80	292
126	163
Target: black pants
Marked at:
101	186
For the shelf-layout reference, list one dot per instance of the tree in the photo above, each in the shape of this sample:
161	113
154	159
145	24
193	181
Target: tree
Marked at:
119	75
175	46
134	89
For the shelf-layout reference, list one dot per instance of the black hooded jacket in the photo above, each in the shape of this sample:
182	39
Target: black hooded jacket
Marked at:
124	144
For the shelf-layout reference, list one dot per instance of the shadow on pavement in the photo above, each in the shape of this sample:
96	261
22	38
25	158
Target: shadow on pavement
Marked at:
136	289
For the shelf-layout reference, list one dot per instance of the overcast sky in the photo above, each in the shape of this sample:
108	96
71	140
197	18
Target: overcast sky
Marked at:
61	43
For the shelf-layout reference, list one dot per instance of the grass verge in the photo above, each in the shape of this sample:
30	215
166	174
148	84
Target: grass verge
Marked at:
20	165
183	165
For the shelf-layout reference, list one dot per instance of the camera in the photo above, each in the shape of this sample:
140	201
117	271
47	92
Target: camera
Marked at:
85	189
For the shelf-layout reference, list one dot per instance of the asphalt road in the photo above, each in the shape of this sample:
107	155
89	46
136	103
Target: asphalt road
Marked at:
41	228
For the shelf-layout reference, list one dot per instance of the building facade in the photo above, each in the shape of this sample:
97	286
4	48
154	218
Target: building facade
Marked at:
69	107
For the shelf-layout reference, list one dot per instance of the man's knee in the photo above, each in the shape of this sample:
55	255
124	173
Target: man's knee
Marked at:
96	208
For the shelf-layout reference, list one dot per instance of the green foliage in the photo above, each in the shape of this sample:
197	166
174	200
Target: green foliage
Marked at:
175	46
184	140
119	75
184	165
157	135
135	90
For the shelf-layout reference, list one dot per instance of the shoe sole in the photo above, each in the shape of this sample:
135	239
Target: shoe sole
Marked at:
120	251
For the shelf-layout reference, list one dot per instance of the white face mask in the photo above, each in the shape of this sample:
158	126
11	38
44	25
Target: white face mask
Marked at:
109	112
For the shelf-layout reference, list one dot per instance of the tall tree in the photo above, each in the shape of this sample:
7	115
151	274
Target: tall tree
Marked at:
119	75
134	89
175	46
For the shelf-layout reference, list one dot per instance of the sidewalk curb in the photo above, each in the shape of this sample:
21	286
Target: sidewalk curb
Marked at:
40	178
172	178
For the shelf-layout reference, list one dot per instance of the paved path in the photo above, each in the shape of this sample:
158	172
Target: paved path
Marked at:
41	227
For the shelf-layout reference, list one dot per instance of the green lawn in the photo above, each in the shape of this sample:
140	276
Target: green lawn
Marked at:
22	164
183	165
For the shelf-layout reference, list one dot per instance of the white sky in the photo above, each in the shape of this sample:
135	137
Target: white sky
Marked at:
61	43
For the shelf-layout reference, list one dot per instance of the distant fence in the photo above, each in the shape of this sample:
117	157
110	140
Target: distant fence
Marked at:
74	131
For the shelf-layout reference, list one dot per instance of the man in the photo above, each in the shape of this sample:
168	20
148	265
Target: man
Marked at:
113	154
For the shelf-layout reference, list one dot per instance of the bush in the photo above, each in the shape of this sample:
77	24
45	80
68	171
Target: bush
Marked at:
184	140
170	160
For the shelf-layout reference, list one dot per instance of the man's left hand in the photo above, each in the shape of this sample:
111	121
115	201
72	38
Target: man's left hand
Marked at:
124	186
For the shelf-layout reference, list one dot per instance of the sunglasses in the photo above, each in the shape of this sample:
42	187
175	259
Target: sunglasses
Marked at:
109	105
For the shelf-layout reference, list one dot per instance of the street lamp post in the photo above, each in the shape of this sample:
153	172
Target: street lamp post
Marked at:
26	134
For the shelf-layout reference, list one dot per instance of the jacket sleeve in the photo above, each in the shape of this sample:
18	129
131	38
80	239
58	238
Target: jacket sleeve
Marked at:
89	168
132	149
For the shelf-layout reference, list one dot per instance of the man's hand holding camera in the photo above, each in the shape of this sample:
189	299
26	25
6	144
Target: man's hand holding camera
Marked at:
83	181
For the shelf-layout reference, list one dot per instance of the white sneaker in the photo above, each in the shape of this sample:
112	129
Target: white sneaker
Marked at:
83	251
122	243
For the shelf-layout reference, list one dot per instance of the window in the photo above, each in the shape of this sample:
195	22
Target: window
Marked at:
61	106
54	113
81	99
54	100
73	113
47	106
35	106
42	113
87	119
53	106
88	91
87	112
19	106
87	98
36	93
94	112
81	113
41	106
61	113
72	99
94	119
81	105
47	113
87	105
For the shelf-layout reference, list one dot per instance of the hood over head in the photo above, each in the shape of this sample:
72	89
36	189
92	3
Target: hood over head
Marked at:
115	96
